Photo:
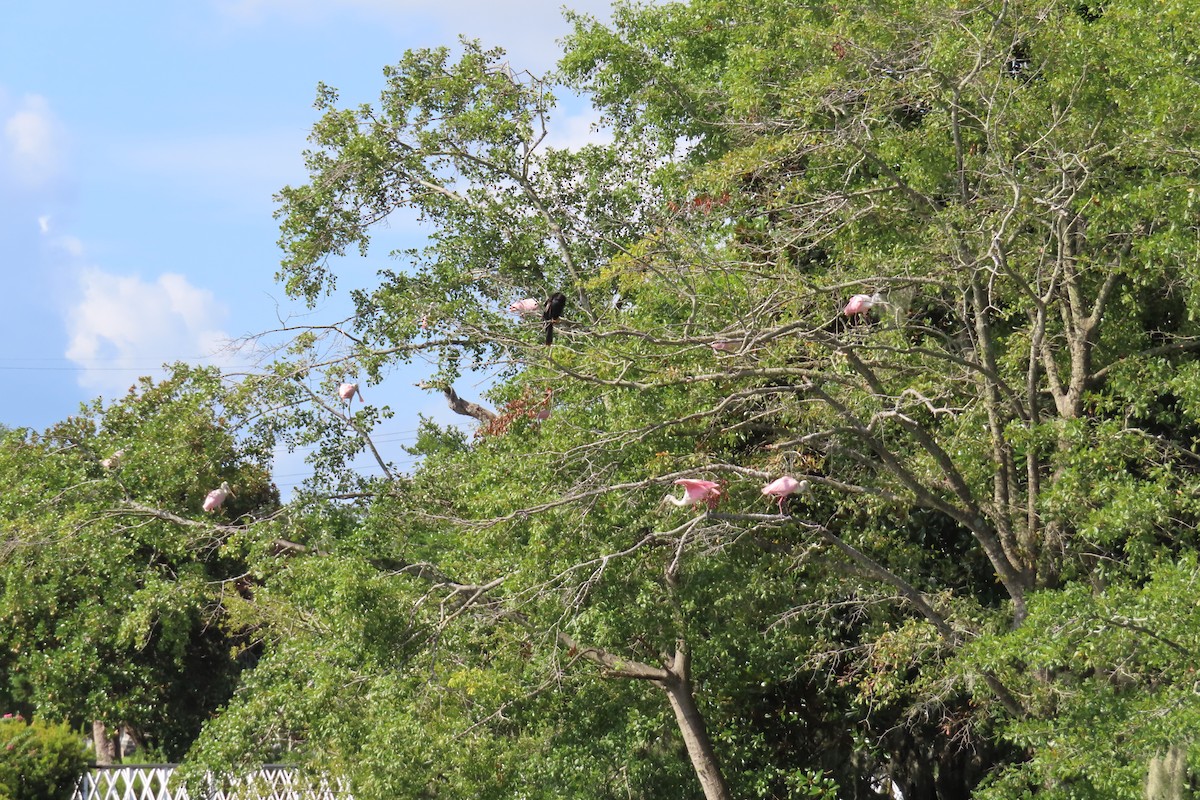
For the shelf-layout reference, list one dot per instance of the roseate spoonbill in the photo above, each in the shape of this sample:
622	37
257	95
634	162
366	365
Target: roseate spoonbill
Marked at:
113	461
553	310
214	499
695	491
347	391
543	413
723	345
540	413
525	307
782	487
862	303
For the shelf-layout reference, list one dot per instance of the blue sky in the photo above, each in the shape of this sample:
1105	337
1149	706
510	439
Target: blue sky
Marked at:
140	146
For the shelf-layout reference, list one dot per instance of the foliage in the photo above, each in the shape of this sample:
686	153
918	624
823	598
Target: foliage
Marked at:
39	760
1003	439
979	593
1122	661
111	604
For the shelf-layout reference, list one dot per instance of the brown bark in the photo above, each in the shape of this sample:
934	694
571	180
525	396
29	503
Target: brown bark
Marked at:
695	737
675	680
461	406
106	751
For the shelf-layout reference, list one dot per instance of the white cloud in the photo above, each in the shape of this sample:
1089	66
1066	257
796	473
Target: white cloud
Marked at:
30	142
526	29
71	245
576	130
123	327
530	11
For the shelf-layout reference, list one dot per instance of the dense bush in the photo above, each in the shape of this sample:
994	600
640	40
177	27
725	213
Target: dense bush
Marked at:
38	760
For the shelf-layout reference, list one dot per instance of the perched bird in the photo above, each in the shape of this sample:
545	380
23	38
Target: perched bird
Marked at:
696	491
553	310
214	499
862	303
113	461
347	391
782	487
543	413
723	345
525	307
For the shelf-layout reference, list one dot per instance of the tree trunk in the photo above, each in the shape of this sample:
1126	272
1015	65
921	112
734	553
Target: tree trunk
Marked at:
695	738
105	750
674	679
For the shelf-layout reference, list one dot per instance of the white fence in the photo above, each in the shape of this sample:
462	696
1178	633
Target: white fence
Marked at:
155	782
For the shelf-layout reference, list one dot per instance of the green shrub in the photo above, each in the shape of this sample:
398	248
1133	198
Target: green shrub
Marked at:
39	761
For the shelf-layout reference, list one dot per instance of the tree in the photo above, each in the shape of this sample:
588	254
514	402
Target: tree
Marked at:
1012	181
460	142
1001	449
113	579
38	760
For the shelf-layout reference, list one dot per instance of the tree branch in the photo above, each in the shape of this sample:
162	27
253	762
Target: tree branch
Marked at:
461	406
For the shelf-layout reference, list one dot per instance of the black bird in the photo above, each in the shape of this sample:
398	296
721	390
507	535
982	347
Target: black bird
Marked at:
551	312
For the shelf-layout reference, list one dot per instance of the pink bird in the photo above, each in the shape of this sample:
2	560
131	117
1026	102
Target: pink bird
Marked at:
782	487
347	391
113	461
862	303
696	491
723	345
217	497
524	307
543	413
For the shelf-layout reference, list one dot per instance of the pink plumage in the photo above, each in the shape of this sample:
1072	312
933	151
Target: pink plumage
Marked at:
347	391
723	345
526	306
861	303
543	412
217	497
696	491
780	488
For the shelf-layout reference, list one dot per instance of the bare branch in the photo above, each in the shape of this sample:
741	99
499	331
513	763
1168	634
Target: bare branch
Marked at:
461	406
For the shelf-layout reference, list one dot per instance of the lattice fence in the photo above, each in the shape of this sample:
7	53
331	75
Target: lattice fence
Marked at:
155	782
